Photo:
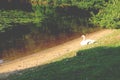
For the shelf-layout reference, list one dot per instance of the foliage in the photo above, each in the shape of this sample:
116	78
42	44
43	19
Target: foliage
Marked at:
45	9
59	14
82	4
86	4
11	17
108	17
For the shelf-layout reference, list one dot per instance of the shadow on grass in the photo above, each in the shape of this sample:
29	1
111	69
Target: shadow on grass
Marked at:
100	63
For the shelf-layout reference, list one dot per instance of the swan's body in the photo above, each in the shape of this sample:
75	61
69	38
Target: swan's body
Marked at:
86	41
1	61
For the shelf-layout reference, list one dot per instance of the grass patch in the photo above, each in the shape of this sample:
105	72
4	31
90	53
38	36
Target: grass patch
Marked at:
93	62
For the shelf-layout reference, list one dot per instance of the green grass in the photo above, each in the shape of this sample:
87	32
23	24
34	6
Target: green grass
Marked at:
93	62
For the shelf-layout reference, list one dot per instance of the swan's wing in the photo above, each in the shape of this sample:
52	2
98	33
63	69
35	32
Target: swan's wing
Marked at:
89	41
83	43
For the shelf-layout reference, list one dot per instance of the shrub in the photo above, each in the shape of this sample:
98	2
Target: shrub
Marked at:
108	17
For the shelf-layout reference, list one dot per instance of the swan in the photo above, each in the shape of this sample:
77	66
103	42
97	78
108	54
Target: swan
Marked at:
86	41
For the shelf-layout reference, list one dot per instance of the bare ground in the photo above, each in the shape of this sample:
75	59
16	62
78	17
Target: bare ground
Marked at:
45	56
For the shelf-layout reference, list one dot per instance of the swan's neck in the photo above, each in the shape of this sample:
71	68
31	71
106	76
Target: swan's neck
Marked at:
84	38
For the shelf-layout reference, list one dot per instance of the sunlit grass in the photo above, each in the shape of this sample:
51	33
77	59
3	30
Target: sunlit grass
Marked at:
99	61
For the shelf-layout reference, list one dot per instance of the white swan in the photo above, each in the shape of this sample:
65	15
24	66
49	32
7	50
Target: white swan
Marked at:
86	41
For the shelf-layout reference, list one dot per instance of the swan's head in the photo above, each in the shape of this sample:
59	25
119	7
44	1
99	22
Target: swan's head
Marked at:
83	36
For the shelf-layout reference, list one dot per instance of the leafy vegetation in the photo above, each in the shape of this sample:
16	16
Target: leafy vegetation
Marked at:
50	10
105	13
11	17
93	62
108	17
